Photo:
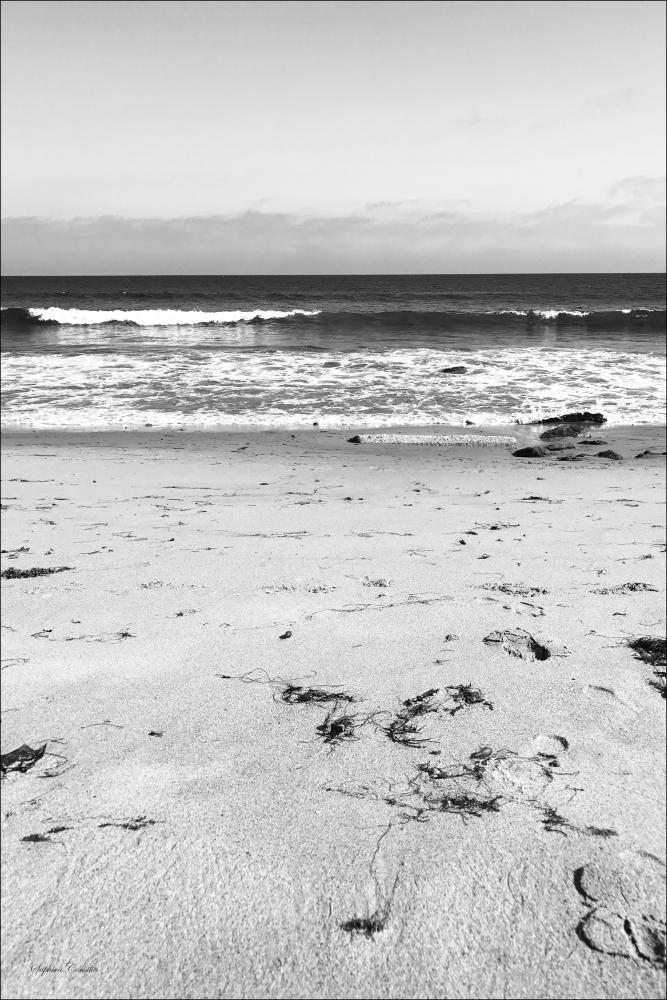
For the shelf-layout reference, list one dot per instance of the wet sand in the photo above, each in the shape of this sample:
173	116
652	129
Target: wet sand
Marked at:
482	818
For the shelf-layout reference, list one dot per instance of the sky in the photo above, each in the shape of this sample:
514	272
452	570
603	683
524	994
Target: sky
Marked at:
332	137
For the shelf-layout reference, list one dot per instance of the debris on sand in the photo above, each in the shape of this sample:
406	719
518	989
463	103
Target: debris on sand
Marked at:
21	574
519	643
612	455
543	499
572	458
376	921
553	822
651	650
368	926
514	589
296	694
22	759
290	693
402	729
532	452
286	635
36	838
137	823
462	804
625	588
339	726
465	695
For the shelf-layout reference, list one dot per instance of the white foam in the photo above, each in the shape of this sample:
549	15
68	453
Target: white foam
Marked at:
159	317
431	440
546	313
365	389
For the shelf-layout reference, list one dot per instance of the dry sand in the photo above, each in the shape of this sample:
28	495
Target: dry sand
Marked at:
212	843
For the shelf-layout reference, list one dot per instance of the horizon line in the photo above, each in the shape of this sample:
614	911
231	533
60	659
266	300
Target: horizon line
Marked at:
332	274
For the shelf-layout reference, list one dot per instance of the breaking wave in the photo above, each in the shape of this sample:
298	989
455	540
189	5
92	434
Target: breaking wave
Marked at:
143	317
652	319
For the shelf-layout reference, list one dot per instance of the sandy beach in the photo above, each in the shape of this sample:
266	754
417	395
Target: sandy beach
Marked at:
442	816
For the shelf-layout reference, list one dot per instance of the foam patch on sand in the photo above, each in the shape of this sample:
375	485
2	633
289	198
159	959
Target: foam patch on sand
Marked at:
476	440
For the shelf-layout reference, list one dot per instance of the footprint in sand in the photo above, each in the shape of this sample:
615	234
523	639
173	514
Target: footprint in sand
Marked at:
625	899
528	773
517	607
519	643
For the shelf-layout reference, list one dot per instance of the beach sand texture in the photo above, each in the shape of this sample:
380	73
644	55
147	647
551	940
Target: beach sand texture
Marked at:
481	818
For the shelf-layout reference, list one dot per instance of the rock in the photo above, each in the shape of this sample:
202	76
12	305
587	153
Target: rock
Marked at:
455	370
354	440
531	453
469	423
559	447
596	441
560	431
613	455
572	458
647	453
574	418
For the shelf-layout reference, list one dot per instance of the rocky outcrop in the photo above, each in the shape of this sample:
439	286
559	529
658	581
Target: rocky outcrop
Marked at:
531	453
561	431
574	418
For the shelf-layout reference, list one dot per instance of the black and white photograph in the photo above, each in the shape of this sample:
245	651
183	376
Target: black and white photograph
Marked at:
333	341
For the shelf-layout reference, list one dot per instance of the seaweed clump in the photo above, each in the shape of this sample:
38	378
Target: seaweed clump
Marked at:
338	726
464	695
402	729
21	574
650	649
297	694
368	926
653	650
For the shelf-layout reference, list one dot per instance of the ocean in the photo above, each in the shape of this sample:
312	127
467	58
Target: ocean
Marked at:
87	353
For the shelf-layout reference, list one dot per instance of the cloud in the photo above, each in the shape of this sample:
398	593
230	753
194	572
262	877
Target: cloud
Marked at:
623	232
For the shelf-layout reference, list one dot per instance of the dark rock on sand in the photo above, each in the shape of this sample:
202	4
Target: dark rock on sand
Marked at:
648	453
23	758
596	441
613	455
531	453
559	447
455	370
572	458
574	418
561	431
354	440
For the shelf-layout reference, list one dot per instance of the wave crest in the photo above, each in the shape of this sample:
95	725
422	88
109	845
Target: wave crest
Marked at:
145	317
